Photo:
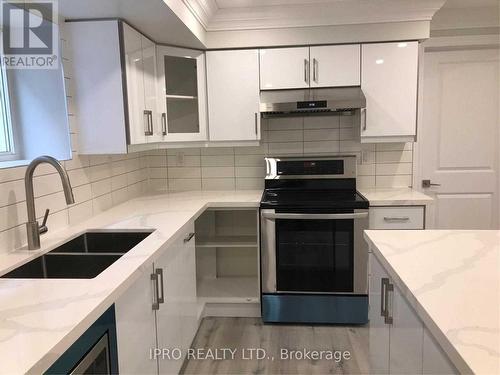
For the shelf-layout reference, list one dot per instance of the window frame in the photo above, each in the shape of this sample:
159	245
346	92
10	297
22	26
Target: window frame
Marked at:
13	153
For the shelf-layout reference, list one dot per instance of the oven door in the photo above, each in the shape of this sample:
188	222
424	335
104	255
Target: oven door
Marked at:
314	252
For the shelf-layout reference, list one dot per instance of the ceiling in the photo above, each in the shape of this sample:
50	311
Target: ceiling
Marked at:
218	15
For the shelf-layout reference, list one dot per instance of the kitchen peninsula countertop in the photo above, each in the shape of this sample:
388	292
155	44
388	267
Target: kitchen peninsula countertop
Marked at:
452	280
41	318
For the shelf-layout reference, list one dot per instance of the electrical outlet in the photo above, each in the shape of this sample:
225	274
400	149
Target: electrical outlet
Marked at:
365	156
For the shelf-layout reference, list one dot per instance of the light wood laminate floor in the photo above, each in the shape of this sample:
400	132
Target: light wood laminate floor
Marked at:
245	333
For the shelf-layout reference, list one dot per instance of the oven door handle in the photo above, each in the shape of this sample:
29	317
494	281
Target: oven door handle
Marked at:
356	215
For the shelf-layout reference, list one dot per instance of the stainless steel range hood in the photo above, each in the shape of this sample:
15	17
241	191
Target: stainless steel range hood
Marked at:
341	100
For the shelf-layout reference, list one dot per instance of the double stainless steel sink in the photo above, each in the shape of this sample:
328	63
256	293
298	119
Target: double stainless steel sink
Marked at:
83	257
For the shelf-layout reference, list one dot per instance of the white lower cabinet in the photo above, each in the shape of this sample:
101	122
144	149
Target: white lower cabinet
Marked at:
159	311
406	330
379	330
435	360
397	217
136	327
176	318
399	342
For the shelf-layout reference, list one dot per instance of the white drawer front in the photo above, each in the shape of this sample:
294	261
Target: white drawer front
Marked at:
410	217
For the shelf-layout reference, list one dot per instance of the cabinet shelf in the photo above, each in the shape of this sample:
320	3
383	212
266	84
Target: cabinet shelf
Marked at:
227	241
186	97
228	289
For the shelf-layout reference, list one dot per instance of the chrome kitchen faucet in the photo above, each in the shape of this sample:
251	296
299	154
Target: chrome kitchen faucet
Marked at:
32	227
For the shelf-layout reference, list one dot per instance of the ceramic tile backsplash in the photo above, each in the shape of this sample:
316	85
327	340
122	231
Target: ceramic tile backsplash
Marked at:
381	165
99	182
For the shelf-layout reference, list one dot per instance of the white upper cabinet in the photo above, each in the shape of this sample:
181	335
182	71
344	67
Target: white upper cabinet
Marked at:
182	100
284	68
140	68
303	67
335	65
233	95
115	93
389	82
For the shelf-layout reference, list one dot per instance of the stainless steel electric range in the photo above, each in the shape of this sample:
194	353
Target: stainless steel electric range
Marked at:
313	257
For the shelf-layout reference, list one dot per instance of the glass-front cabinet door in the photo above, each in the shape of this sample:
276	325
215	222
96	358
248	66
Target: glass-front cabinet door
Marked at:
182	94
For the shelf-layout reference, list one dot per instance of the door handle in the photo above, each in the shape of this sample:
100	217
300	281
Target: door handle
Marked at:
189	237
389	288
315	70
154	279
363	118
428	184
356	215
383	282
306	71
256	124
159	280
148	115
164	123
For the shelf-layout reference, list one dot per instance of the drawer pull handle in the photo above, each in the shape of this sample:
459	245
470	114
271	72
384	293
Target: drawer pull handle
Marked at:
396	219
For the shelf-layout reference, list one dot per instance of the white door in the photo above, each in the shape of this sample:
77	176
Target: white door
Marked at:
389	81
134	68
458	137
379	330
284	68
182	94
233	95
136	327
336	65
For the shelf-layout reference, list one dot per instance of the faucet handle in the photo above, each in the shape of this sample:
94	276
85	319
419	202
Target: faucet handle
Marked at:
43	228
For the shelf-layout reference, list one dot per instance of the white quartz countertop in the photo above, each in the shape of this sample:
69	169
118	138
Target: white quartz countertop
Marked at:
452	279
395	197
41	318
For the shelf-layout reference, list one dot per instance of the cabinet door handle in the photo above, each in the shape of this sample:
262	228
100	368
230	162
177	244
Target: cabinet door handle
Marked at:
154	279
393	219
306	71
189	237
256	124
159	273
388	311
315	70
151	131
164	123
148	115
383	282
363	118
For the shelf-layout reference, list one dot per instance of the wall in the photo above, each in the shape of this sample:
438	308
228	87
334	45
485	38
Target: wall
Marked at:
99	182
379	165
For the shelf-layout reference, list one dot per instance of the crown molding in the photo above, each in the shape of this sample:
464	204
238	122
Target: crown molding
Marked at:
307	13
203	10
